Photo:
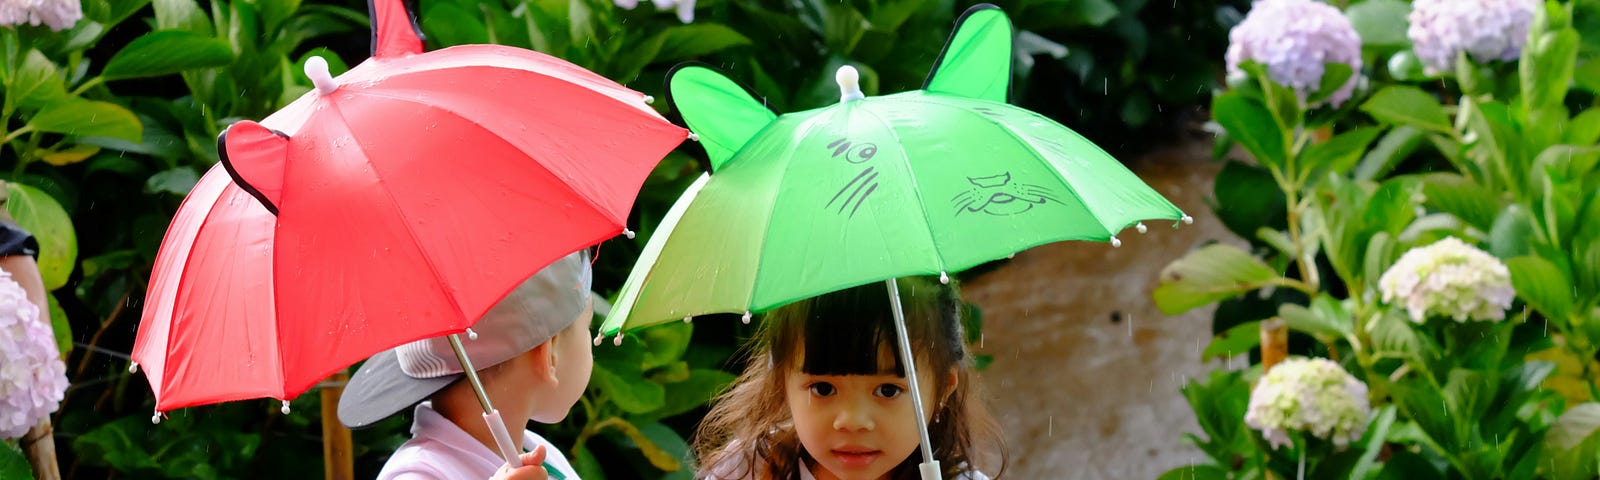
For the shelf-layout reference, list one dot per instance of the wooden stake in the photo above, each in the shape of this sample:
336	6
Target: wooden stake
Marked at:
1274	342
40	447
338	455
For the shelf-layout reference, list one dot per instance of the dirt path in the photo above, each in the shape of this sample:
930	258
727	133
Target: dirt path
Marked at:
1086	373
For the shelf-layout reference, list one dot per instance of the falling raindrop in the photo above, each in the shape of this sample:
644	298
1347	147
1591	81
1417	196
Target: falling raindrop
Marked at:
1050	430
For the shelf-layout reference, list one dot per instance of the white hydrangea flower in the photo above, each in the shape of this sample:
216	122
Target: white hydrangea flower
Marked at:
57	14
32	375
1449	278
1485	29
684	8
1312	395
1295	39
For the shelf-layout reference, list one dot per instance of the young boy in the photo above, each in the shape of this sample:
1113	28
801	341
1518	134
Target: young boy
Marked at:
532	354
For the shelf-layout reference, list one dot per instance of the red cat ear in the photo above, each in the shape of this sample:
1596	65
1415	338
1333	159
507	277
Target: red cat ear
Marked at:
394	28
254	156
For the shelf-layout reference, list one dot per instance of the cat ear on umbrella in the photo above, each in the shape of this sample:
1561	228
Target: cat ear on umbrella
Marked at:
254	156
723	114
976	61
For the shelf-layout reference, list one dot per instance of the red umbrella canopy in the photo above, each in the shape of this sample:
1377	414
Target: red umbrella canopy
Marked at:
411	192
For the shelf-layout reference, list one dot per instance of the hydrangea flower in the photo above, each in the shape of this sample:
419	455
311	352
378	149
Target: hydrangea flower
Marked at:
32	375
1485	29
1295	39
684	8
57	14
1313	395
1449	278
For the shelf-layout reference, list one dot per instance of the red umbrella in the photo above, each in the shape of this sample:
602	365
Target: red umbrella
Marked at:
411	193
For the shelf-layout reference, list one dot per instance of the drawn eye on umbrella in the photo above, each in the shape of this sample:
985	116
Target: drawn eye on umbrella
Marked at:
997	195
863	184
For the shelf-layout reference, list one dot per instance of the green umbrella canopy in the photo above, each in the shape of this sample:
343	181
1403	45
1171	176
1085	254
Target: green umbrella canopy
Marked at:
923	182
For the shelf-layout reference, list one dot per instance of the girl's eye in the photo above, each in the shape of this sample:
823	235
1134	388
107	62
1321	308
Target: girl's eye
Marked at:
822	389
889	390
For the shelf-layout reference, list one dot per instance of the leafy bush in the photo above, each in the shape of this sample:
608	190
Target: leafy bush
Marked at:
1489	153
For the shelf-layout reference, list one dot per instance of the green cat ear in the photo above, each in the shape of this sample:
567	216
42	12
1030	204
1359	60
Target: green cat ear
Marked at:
976	62
720	112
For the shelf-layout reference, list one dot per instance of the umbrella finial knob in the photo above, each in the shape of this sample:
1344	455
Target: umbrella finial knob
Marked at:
694	137
598	338
745	318
133	367
284	408
627	233
1141	228
649	100
688	318
317	71
1115	242
944	278
849	84
1188	219
617	341
471	335
155	418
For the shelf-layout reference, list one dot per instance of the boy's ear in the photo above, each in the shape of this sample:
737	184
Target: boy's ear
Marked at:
723	114
544	361
976	61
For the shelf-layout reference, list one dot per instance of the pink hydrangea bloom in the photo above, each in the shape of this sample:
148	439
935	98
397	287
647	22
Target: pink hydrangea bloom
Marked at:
1295	39
32	376
1485	29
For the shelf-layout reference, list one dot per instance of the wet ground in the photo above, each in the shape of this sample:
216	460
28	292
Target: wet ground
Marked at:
1086	373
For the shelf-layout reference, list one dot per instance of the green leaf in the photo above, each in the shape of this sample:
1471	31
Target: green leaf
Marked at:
1568	161
449	24
633	394
13	463
658	458
1512	232
1326	320
1547	65
1212	273
61	325
1250	123
111	12
1393	337
36	83
701	386
1406	66
1380	23
1233	342
586	465
1247	199
665	344
1542	285
672	445
1431	411
182	15
165	52
1380	255
1376	438
39	214
87	118
842	27
1584	129
178	181
1572	446
1196	472
1404	105
1393	148
1453	194
1340	153
684	42
1334	77
275	12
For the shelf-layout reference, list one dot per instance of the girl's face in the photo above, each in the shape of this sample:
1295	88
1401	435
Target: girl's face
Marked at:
857	427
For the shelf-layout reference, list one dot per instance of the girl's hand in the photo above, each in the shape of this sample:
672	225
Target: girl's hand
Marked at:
532	468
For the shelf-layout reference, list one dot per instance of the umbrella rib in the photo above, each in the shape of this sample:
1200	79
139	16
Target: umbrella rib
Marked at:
916	190
496	135
1033	151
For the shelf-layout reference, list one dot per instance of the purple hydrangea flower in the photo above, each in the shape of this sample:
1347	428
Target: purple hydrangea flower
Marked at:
1485	29
57	14
1295	39
32	375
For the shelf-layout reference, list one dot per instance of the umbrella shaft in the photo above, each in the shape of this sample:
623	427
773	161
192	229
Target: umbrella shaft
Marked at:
911	368
472	373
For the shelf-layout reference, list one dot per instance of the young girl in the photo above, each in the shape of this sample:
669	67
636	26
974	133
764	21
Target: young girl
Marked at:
825	395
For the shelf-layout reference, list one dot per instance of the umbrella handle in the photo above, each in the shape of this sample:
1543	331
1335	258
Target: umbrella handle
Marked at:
502	438
929	466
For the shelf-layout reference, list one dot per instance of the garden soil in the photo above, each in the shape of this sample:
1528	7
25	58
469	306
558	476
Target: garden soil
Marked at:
1086	371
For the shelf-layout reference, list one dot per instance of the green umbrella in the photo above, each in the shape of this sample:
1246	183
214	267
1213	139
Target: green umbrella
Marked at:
924	182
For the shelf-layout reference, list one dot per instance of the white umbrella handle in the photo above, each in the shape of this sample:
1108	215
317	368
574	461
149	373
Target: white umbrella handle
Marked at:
497	426
930	466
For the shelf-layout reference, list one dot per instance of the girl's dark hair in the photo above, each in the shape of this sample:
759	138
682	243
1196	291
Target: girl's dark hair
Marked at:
749	430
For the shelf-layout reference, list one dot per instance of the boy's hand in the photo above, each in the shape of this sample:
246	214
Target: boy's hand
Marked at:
532	468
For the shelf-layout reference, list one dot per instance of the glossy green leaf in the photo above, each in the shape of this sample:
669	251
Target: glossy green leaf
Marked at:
165	52
586	465
1253	126
1380	23
1453	194
87	118
702	385
670	445
1235	341
1247	199
1572	446
40	214
657	457
683	42
1196	472
1394	147
36	82
1340	153
630	393
178	181
13	463
1512	232
1405	105
1393	337
60	324
182	15
1326	319
1547	67
1542	285
1212	273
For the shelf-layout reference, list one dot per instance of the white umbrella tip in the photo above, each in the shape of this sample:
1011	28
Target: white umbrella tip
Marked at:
472	335
598	339
1141	228
617	341
1115	242
155	418
133	367
694	137
317	71
944	278
1188	219
649	100
745	318
627	233
849	84
284	408
688	318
